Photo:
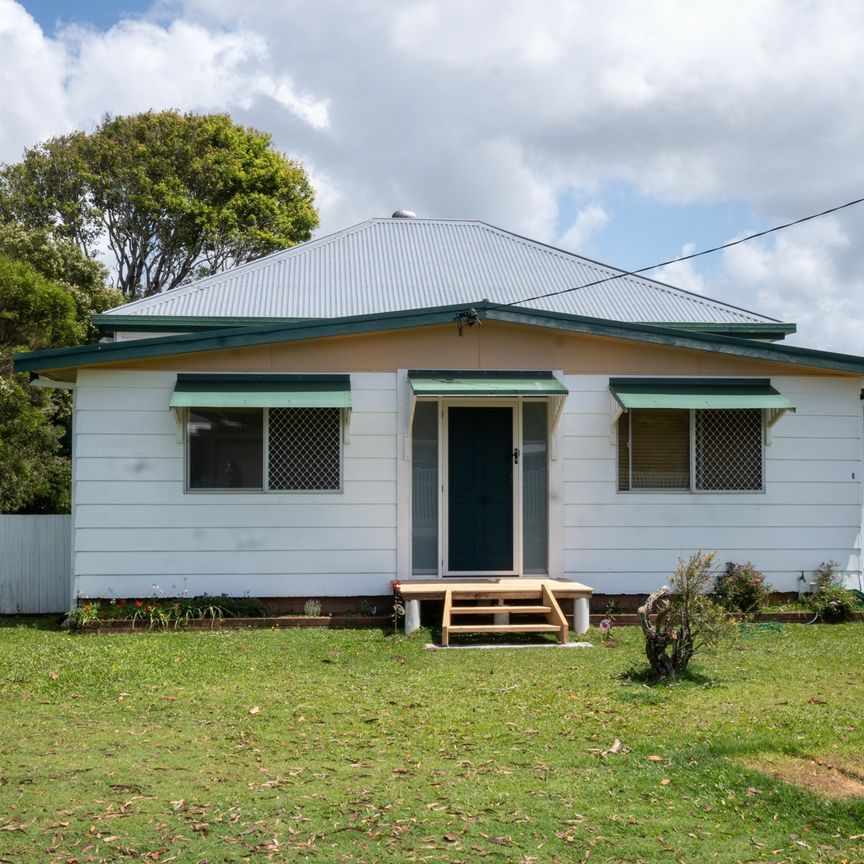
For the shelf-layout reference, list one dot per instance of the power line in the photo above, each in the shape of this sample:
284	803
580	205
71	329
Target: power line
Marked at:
682	257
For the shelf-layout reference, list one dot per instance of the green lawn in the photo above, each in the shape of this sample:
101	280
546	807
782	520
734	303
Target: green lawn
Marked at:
361	746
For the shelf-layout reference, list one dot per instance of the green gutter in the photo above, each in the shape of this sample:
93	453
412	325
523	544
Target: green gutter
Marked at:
215	340
743	331
174	323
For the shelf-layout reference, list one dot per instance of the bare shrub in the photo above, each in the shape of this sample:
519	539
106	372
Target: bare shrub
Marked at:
679	621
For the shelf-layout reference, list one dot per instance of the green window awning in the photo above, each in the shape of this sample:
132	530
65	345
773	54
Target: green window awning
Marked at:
478	383
698	393
213	390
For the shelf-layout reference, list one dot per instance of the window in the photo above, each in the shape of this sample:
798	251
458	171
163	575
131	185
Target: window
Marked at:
304	448
225	448
717	450
266	449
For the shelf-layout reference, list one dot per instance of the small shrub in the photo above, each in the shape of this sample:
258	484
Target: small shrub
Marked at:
830	599
312	608
684	619
741	588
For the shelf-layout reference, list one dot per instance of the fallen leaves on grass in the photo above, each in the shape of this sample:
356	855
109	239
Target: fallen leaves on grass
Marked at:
617	747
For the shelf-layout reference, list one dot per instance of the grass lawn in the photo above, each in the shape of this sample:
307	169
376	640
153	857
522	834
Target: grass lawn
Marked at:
360	746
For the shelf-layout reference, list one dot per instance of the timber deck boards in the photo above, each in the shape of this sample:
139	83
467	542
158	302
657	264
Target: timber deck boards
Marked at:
493	588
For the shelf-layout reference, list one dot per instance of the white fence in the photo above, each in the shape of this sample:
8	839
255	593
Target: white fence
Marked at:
35	563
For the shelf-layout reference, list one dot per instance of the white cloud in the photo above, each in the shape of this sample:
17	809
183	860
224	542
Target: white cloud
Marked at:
589	222
804	276
50	86
683	274
32	98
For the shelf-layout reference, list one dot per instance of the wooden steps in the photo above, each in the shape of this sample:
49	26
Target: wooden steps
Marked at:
497	610
547	606
503	628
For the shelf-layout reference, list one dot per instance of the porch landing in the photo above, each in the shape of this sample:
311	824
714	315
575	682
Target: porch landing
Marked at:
499	594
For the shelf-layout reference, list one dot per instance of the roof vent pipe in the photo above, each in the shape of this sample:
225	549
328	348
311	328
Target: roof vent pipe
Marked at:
404	214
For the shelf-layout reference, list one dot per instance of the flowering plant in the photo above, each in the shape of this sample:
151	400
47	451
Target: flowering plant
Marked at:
606	629
161	612
741	588
830	599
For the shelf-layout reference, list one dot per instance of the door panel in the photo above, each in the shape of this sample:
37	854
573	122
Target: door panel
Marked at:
480	483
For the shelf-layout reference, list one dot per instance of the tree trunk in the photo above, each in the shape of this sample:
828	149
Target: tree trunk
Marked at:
658	636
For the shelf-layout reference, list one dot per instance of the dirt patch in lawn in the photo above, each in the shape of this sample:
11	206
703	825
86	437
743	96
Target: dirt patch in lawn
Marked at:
834	777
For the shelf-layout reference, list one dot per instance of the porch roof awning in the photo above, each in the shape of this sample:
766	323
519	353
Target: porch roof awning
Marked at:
481	383
214	390
699	393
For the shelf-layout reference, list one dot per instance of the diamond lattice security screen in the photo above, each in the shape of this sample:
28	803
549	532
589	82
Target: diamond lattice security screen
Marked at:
729	450
304	449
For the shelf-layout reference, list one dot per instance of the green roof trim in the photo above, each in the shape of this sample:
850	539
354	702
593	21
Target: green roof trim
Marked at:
771	332
215	390
59	359
193	323
474	383
699	393
178	323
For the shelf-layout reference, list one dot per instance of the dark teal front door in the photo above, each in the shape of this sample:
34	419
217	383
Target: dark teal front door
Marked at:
480	483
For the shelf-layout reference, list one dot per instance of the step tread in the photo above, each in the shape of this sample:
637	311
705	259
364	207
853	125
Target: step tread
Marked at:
495	594
503	628
494	610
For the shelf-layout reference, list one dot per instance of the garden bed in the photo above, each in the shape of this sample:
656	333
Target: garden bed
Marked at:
340	622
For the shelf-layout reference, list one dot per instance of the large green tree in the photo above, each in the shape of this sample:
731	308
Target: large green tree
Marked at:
173	196
48	291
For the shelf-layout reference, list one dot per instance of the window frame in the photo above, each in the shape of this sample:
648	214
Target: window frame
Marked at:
692	490
264	489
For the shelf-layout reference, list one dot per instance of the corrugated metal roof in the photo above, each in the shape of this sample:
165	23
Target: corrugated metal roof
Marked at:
389	265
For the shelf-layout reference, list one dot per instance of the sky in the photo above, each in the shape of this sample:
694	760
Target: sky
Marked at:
628	132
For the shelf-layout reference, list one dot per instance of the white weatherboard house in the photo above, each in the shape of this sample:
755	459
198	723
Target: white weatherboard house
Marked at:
441	398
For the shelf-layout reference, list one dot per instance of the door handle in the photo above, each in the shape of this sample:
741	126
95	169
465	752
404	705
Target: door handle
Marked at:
516	456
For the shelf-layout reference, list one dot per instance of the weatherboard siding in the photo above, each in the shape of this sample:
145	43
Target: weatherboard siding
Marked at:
810	511
137	528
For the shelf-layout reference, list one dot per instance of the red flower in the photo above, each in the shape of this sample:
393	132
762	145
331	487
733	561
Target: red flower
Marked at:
395	586
139	602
